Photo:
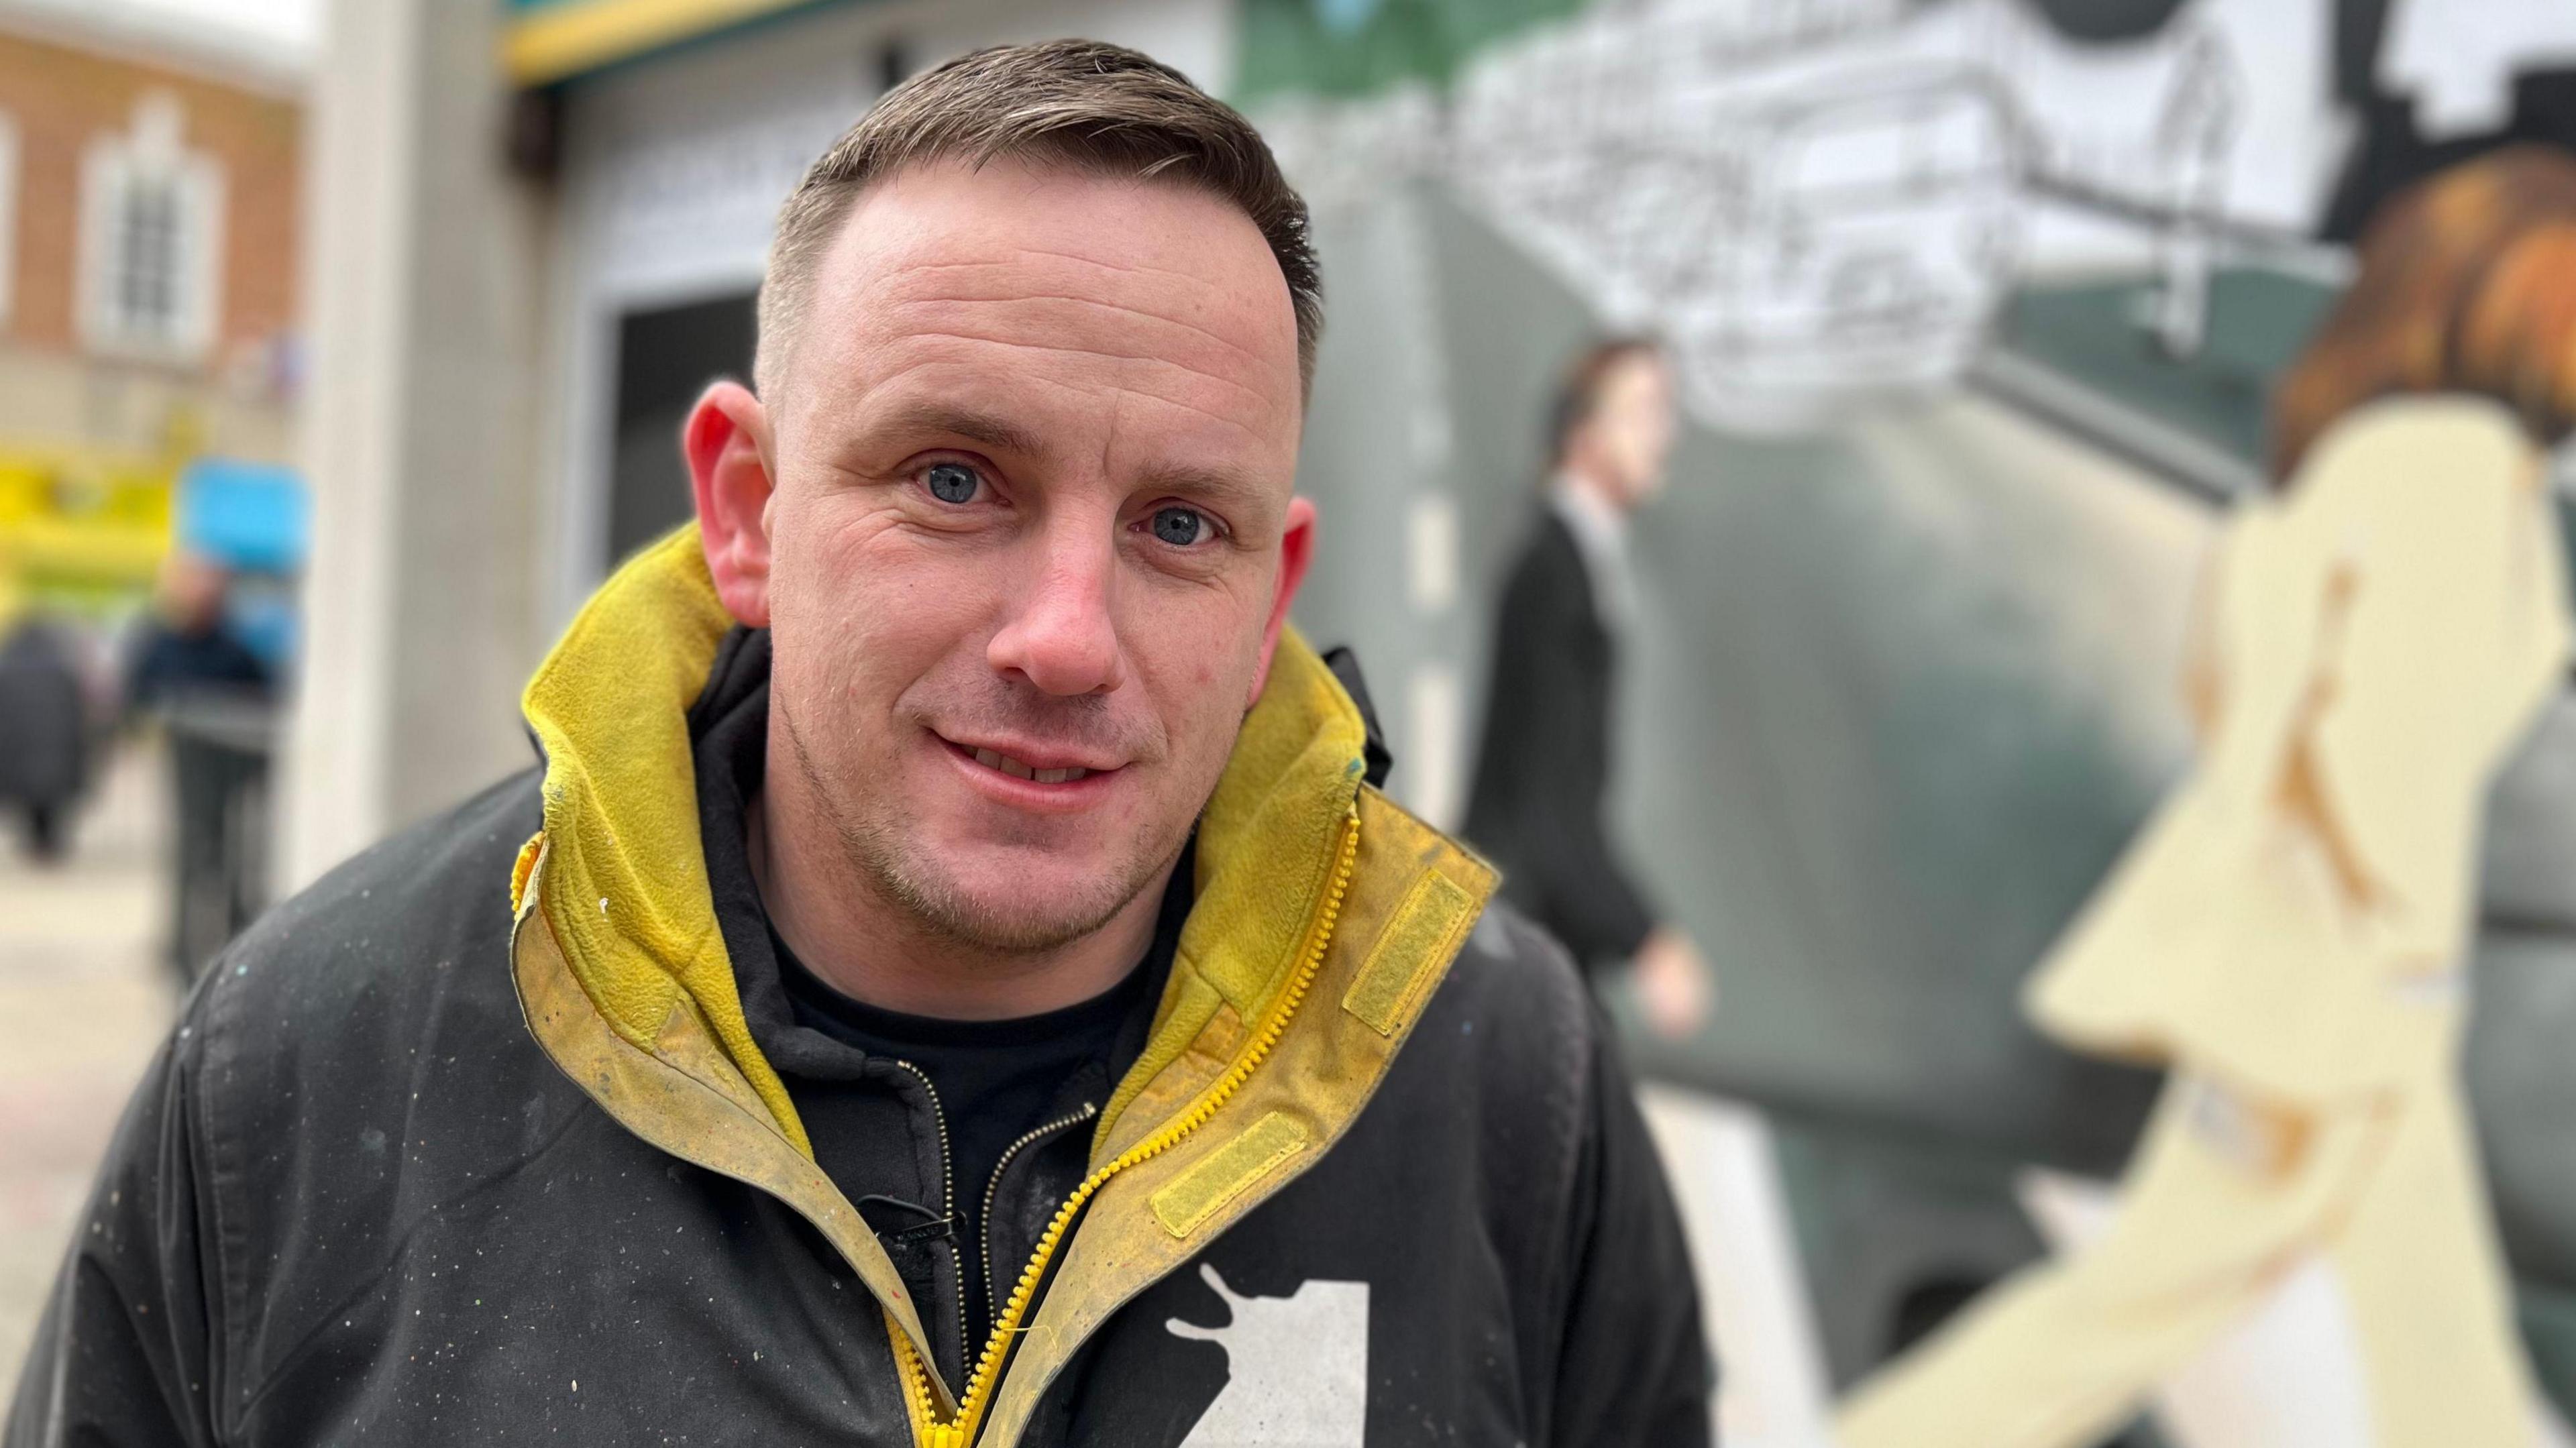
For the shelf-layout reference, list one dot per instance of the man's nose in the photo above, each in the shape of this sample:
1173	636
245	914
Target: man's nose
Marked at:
1060	636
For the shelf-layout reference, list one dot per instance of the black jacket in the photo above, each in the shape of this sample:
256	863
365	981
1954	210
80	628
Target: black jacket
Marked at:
1544	769
391	1180
44	725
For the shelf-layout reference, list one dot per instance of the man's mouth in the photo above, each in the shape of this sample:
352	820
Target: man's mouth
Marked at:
995	759
1037	763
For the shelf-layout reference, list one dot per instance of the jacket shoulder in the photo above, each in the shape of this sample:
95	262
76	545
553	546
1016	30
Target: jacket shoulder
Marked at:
358	1059
386	920
401	950
1514	1028
1500	1082
1511	966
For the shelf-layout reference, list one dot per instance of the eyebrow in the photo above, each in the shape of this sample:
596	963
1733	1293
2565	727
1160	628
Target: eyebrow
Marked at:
984	429
1226	487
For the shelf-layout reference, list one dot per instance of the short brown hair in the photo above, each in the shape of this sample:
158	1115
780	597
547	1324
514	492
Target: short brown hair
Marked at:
1578	392
2467	284
1079	103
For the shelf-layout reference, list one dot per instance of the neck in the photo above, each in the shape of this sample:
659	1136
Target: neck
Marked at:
837	919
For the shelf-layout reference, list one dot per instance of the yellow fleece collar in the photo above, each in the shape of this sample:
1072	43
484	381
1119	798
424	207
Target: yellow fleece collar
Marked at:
625	887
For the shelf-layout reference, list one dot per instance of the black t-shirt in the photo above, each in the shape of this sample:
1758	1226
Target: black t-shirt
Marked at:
993	1080
996	1082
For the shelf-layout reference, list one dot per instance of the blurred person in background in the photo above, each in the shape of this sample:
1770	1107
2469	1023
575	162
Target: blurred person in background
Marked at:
215	700
1543	774
950	980
44	727
2289	933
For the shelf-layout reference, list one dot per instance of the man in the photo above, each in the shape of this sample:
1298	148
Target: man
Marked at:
44	727
214	699
952	982
1545	765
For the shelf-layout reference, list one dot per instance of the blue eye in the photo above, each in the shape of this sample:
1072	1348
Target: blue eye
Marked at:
952	482
1180	527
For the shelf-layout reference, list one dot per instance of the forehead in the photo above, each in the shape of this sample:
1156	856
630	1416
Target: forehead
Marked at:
1066	299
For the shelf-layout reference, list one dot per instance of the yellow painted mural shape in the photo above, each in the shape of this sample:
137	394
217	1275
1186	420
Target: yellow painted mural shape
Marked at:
2289	934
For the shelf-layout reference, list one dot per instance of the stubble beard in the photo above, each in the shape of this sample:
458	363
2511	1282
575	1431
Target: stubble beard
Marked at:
891	864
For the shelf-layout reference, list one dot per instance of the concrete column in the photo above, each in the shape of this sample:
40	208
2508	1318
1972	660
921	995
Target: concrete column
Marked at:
424	434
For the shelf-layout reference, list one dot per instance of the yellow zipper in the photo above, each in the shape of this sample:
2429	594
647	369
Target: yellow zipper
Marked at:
959	1432
993	1193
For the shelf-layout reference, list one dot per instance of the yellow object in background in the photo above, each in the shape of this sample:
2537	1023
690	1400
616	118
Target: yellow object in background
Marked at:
2289	934
83	528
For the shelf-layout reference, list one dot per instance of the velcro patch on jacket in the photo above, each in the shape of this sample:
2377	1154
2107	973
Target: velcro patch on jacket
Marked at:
1203	1190
1408	955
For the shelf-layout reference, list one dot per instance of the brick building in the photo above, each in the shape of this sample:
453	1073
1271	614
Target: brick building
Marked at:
149	230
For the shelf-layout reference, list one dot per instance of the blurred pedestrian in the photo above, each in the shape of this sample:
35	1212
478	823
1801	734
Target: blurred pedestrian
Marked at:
44	729
2289	934
215	701
1543	774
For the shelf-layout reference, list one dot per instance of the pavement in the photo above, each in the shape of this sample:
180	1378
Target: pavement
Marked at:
84	1002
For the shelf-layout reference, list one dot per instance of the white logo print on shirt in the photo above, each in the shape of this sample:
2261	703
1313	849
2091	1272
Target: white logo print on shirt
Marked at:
1297	1368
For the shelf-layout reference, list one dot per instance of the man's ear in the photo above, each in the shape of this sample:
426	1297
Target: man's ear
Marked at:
1296	550
726	442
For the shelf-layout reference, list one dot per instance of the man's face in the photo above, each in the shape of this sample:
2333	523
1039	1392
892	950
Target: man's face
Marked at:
1031	535
1632	425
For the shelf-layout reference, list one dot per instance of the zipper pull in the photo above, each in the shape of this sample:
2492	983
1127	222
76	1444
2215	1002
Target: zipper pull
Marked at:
945	1435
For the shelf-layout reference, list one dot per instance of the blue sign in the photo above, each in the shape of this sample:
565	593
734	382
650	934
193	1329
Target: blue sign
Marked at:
250	517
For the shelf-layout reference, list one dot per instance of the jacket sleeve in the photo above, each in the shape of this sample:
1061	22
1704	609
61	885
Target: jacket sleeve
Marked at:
1574	881
1635	1368
122	1356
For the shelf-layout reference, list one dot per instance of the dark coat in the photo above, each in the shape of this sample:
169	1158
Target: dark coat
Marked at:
1544	768
354	1200
43	722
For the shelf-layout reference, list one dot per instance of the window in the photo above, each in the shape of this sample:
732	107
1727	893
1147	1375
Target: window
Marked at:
664	357
151	225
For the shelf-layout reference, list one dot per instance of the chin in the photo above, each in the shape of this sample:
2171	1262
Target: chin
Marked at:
1015	897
